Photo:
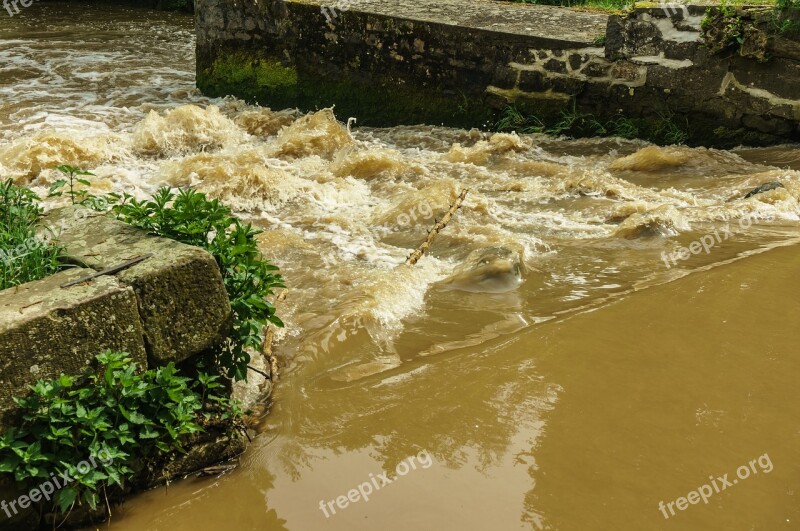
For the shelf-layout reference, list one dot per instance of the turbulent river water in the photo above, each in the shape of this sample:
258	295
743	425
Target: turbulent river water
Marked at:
555	363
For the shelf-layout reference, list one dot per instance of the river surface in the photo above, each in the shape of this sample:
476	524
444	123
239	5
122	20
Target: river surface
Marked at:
554	363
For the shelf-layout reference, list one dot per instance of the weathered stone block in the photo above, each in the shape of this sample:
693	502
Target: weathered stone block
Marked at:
626	71
680	50
785	48
576	60
568	85
46	330
779	77
505	77
554	65
532	81
766	124
596	69
182	301
413	58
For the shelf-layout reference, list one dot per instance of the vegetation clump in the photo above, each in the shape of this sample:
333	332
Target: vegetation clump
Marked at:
26	252
612	6
746	29
99	429
577	124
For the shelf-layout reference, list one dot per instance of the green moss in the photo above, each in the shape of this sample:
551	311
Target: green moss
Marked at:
248	77
274	74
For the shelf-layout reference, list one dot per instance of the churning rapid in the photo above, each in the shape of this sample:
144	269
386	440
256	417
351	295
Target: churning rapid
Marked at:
558	356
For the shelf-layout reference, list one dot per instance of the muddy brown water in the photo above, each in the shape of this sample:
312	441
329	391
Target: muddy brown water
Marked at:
555	363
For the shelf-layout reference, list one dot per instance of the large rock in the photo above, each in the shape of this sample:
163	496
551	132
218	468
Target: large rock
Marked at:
182	301
46	330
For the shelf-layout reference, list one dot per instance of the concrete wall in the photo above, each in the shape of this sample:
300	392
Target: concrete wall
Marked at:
461	63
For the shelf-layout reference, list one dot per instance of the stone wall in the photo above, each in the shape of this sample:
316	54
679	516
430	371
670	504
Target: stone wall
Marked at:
381	68
748	93
461	63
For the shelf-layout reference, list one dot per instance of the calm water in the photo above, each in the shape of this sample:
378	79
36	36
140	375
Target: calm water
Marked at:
554	364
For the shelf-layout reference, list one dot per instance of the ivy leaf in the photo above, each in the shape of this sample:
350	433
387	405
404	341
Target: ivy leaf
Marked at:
66	498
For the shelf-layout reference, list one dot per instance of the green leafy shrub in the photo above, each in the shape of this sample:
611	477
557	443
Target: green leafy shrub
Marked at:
190	217
24	256
513	120
112	417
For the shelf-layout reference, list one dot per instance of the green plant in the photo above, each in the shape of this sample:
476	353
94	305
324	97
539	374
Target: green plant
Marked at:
600	40
576	123
723	28
726	26
512	119
110	418
24	256
623	127
73	175
668	131
785	20
190	217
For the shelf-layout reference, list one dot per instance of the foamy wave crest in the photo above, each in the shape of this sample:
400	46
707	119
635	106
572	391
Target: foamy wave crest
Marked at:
244	179
593	184
419	207
485	151
652	158
27	157
314	134
264	122
384	299
185	129
370	163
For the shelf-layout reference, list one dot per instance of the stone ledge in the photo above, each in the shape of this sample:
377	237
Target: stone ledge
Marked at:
182	301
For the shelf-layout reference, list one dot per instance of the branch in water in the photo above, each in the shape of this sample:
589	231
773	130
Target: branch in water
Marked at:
259	371
266	347
414	257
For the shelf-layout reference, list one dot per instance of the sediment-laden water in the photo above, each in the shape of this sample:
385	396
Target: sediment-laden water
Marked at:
557	361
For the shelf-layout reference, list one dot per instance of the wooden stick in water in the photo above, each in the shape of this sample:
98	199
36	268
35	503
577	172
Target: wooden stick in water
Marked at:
414	257
266	347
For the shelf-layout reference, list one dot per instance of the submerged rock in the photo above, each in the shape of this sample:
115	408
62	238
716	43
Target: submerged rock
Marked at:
766	187
664	221
489	270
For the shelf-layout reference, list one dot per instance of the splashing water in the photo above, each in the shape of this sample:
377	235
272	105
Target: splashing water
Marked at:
549	226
